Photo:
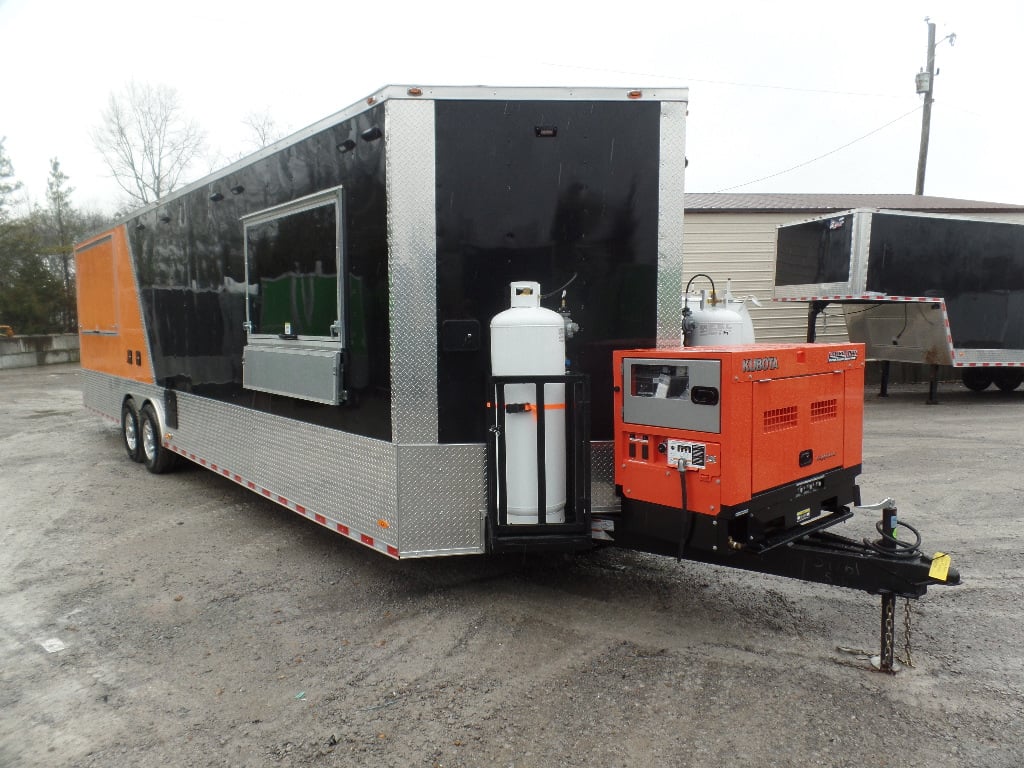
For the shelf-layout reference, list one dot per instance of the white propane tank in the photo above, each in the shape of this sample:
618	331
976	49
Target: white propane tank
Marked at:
528	340
714	324
740	307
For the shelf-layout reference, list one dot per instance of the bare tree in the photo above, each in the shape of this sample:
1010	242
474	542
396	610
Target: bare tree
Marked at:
265	130
147	141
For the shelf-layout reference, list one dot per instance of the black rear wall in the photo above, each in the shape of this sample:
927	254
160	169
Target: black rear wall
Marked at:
543	191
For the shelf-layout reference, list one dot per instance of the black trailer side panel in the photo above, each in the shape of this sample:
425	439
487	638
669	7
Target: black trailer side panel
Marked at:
815	252
190	267
977	266
558	192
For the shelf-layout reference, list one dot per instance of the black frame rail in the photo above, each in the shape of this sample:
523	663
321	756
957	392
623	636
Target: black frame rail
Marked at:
573	534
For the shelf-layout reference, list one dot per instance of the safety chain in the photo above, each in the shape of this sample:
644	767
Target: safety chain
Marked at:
889	634
907	615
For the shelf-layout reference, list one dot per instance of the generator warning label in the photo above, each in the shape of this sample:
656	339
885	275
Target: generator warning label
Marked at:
693	453
842	355
939	569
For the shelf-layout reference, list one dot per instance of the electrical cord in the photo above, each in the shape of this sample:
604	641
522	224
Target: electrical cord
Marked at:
890	546
906	320
687	529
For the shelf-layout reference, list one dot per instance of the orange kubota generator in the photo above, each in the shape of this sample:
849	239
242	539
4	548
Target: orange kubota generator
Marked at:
735	448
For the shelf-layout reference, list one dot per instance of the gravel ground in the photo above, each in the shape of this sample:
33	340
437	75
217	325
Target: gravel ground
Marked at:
204	626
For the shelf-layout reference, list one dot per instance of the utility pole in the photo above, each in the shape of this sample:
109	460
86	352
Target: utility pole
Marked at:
926	85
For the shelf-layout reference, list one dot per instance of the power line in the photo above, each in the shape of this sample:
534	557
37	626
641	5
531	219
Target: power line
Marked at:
819	157
794	88
733	83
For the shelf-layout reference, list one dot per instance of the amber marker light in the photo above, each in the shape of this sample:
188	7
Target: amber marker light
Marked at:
635	94
384	524
415	91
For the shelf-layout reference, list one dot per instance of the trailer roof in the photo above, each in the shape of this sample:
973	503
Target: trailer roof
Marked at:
726	202
428	92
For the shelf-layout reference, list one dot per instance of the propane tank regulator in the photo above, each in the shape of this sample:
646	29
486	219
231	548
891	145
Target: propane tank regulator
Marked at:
571	326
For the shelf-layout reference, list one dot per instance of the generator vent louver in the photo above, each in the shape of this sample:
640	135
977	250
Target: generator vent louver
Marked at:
823	410
778	419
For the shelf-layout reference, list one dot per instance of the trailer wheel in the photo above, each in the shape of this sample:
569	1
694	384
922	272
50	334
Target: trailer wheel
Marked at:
1008	379
130	431
156	458
976	379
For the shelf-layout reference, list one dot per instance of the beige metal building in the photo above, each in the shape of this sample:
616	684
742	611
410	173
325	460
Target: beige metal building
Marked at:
732	237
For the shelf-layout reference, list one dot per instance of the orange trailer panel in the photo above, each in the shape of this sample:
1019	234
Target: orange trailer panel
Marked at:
110	327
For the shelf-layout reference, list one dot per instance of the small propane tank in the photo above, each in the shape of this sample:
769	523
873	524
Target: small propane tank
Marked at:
708	322
528	340
740	307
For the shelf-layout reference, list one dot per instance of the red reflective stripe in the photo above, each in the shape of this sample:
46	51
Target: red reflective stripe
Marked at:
321	519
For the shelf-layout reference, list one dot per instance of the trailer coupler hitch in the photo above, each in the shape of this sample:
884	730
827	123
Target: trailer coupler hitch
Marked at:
890	545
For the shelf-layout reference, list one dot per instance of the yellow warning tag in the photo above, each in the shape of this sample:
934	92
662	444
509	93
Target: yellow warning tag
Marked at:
940	566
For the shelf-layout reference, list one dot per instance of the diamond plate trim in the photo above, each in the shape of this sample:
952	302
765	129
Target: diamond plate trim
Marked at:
602	477
350	478
104	393
412	264
435	506
670	221
432	498
442	499
860	252
99	394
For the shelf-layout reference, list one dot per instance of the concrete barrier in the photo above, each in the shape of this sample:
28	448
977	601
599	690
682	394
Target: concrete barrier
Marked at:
26	351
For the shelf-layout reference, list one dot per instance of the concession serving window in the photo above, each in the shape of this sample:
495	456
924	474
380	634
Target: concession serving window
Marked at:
295	299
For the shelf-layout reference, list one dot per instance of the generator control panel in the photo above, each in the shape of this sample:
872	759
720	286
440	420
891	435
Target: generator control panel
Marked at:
673	393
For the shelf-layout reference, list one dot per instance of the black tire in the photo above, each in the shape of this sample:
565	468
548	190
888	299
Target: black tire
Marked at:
1008	379
156	458
976	379
130	431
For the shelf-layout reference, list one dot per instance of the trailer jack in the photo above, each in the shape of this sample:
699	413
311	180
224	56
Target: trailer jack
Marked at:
889	543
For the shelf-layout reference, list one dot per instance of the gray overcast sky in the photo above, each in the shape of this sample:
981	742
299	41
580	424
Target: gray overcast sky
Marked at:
772	84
